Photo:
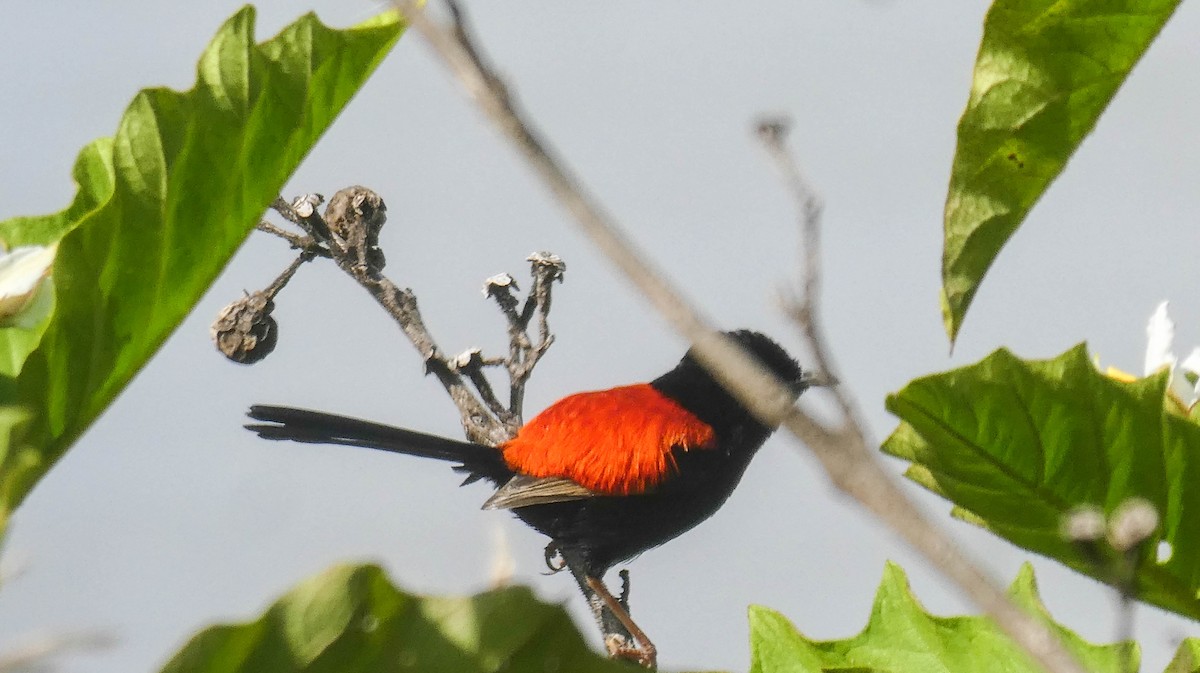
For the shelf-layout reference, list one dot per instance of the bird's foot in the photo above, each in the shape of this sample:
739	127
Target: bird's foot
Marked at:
555	560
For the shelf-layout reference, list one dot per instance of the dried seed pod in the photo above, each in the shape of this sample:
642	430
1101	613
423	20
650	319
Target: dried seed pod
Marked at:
356	215
305	205
244	331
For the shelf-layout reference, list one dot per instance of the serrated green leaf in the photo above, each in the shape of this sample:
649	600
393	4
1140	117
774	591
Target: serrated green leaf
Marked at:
162	207
1015	445
1044	74
901	637
350	618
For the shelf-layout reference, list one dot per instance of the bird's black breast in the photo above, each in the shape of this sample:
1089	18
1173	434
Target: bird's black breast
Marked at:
605	530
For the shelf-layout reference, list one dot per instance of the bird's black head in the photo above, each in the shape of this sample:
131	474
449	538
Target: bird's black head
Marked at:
772	356
690	384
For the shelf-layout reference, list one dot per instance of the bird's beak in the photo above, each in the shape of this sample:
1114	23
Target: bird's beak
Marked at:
810	379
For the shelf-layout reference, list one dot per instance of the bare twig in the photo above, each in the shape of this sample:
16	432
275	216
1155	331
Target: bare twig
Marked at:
282	279
471	364
1115	547
500	287
843	451
805	309
302	211
296	240
348	234
1131	528
545	268
524	351
401	304
455	47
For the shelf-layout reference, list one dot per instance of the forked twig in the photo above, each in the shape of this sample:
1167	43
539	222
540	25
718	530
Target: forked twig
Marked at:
348	233
805	308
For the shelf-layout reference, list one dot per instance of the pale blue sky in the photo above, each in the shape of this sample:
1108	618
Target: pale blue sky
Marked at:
167	516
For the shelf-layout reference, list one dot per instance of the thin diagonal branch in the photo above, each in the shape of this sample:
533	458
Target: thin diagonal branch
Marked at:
843	451
284	277
401	304
471	364
805	310
457	49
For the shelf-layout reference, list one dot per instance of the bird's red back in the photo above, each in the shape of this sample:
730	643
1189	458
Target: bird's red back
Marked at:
615	442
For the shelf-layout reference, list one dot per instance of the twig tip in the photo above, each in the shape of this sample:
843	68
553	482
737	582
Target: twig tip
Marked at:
500	282
773	128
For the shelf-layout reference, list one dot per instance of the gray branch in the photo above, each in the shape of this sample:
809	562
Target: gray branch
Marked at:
348	234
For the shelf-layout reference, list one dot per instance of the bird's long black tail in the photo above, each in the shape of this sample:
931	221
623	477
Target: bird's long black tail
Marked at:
315	427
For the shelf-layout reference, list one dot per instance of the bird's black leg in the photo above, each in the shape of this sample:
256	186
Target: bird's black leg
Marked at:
624	599
615	633
618	638
623	638
644	653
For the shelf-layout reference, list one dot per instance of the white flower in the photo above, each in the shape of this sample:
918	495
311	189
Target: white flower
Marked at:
1160	340
26	290
1191	372
1160	337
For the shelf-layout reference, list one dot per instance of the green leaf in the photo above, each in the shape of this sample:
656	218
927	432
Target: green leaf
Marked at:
162	207
350	618
1044	73
1187	658
27	301
93	173
19	461
901	637
1015	445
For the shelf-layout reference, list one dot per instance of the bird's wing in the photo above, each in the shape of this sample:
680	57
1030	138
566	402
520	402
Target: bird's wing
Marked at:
609	442
523	490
